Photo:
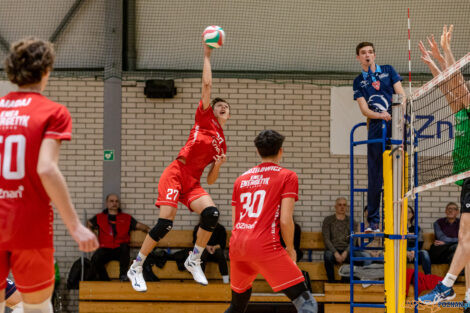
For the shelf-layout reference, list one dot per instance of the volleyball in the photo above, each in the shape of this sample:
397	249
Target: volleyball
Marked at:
214	36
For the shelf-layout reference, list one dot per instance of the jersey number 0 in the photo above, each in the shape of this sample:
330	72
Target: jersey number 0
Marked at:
9	154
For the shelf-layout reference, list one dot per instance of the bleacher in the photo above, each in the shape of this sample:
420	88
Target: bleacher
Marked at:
177	292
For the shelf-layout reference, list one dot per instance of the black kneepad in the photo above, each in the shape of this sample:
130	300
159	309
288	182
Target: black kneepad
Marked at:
161	229
209	218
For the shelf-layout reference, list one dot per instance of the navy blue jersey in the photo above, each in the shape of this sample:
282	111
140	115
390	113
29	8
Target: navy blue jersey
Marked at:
377	88
11	288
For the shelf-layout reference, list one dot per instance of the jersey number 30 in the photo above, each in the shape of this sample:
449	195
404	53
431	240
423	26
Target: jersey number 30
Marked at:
250	201
9	154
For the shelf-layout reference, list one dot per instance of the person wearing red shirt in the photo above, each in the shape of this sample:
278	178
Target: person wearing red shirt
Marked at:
180	181
263	202
113	228
32	128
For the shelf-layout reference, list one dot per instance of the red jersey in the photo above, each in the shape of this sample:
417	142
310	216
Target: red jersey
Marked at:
205	141
26	216
257	196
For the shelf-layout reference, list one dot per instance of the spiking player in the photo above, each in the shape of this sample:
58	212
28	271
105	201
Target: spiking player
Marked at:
32	128
180	181
458	97
262	201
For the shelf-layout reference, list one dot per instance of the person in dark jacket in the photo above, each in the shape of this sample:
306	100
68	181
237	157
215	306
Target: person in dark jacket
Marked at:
113	228
214	251
446	231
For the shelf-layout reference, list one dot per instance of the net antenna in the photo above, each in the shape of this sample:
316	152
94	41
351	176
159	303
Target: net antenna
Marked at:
439	113
411	126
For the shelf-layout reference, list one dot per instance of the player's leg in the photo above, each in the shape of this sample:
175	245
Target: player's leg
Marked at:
243	274
283	275
204	206
2	298
34	275
443	290
302	298
13	301
169	190
163	226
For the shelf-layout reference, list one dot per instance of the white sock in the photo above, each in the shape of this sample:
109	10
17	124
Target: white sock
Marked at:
197	251
44	307
467	295
2	307
449	280
225	279
139	260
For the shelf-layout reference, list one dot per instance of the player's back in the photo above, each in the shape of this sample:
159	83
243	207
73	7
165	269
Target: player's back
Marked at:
26	118
257	197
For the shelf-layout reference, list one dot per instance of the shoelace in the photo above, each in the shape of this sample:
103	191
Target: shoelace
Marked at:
195	262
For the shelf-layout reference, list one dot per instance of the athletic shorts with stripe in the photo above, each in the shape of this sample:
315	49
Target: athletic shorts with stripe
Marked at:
177	184
280	272
32	269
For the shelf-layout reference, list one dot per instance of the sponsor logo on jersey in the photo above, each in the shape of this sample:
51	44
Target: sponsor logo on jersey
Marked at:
13	119
255	180
364	83
14	103
256	170
245	226
12	194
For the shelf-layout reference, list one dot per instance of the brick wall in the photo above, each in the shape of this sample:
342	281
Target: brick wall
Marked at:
153	131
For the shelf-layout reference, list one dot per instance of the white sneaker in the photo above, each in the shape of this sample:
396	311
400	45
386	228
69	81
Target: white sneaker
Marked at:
137	279
194	267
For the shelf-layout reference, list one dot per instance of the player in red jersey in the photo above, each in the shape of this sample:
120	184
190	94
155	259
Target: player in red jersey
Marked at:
31	130
180	181
262	202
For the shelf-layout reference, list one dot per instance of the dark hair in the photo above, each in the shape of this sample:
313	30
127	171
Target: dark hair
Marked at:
364	44
452	203
111	194
218	99
268	142
412	218
28	60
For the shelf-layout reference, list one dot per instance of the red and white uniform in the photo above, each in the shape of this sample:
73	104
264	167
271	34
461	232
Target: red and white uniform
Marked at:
255	246
26	217
181	182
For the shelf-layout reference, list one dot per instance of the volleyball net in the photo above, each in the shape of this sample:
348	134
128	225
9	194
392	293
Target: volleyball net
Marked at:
438	123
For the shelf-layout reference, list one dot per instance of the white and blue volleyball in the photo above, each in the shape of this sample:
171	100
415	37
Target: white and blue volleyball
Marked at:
214	36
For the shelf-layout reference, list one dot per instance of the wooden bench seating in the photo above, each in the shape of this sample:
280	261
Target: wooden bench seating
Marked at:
177	292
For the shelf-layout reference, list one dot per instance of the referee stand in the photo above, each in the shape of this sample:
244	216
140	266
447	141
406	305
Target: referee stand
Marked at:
394	232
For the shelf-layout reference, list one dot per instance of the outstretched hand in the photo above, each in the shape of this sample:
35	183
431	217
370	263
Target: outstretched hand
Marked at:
446	37
435	49
425	54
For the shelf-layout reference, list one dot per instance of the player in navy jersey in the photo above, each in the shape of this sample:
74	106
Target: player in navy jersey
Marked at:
373	91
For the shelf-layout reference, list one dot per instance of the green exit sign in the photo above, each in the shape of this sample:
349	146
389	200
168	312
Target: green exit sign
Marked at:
109	155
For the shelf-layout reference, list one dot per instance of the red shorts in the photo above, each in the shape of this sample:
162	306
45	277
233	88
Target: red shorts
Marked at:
177	184
280	272
33	269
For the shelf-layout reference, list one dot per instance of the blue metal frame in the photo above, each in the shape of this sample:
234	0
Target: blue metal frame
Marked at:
363	246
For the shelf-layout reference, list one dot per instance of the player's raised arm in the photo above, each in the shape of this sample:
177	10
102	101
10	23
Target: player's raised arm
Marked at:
206	78
214	171
55	186
287	226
